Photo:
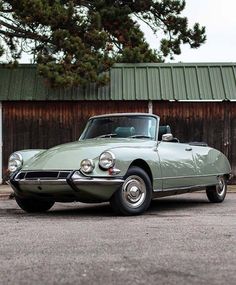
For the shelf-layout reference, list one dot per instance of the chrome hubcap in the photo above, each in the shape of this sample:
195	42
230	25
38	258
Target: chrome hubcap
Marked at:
134	191
221	186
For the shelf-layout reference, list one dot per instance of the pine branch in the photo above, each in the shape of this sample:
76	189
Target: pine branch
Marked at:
18	32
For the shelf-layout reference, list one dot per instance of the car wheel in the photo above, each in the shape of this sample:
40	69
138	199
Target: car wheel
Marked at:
134	196
216	194
33	205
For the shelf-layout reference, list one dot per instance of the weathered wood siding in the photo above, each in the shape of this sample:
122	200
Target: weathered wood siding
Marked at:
45	124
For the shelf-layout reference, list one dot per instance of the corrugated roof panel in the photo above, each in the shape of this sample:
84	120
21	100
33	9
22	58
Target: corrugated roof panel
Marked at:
73	93
191	81
153	75
28	85
128	85
41	90
205	90
116	83
141	84
89	92
5	81
179	84
166	83
218	91
229	79
104	92
54	94
15	83
64	93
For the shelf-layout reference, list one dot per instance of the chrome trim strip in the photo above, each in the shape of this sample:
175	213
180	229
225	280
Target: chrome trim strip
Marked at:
184	188
76	181
193	176
79	181
78	174
42	182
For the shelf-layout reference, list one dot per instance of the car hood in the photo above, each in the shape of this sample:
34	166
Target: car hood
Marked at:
68	156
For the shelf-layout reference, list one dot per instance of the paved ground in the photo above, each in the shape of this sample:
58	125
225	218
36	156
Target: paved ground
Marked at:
179	240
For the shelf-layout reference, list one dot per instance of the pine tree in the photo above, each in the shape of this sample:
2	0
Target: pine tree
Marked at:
74	42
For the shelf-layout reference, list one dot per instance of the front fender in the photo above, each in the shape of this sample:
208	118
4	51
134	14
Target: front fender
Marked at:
126	156
27	154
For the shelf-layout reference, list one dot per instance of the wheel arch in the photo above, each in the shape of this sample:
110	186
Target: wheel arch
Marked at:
143	165
228	176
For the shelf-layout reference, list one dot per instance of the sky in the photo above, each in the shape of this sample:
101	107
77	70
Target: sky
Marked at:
219	18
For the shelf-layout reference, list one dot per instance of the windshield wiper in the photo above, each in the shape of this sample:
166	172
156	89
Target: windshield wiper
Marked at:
107	136
140	137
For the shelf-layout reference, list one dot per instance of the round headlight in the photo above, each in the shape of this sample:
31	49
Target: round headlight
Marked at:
15	162
106	160
87	165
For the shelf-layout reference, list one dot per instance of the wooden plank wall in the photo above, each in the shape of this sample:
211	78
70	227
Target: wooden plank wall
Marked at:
45	124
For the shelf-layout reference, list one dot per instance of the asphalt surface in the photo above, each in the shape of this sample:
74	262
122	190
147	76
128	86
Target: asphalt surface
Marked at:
179	240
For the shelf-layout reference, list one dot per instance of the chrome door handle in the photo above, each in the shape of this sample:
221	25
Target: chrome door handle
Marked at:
188	149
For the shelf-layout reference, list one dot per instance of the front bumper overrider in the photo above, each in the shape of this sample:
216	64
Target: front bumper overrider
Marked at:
64	186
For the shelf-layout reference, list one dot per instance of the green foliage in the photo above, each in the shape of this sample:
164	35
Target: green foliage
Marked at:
74	41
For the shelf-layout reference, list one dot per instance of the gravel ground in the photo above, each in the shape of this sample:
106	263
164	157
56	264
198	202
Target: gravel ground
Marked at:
179	240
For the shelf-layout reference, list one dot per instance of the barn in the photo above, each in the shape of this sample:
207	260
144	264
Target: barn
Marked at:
198	101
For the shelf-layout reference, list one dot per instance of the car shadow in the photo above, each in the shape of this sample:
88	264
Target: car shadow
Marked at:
176	204
85	210
159	207
171	205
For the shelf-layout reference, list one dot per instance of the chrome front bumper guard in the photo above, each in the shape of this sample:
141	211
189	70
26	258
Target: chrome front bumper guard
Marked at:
74	180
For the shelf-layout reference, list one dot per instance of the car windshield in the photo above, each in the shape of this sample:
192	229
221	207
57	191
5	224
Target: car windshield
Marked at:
121	127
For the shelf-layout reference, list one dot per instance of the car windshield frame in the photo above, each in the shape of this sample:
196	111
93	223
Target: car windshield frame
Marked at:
152	120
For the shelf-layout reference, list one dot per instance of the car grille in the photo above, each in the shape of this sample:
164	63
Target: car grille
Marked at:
42	175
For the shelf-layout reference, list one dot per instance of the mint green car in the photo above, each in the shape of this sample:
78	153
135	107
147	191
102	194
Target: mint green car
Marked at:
126	159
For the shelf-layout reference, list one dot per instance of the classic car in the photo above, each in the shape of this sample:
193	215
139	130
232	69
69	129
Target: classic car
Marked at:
127	159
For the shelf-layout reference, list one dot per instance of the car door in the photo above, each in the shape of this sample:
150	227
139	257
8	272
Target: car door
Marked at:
178	168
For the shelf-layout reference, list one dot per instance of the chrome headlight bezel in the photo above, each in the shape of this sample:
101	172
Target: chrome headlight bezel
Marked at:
87	165
15	162
107	160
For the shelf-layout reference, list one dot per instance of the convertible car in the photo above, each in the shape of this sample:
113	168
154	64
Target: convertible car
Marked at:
127	159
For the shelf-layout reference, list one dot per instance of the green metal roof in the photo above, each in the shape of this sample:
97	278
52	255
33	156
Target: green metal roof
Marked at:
176	81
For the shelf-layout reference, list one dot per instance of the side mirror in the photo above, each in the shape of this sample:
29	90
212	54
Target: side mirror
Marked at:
167	137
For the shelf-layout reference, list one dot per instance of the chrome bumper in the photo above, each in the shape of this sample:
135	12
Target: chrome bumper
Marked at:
74	183
74	177
77	179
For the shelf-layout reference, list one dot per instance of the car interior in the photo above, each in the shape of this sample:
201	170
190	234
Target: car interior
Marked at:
124	132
